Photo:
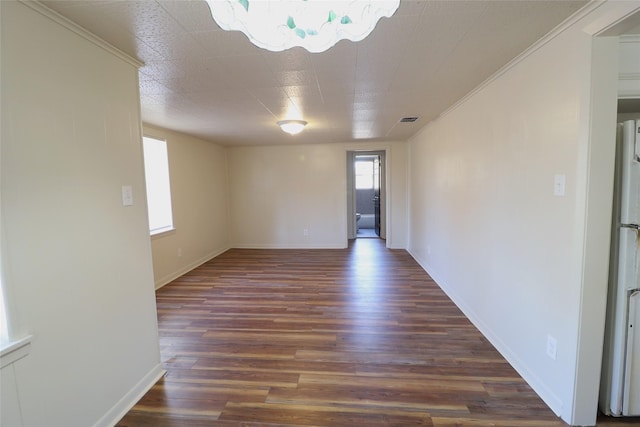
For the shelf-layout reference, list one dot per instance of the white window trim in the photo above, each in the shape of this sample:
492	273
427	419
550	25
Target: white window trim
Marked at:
162	231
13	351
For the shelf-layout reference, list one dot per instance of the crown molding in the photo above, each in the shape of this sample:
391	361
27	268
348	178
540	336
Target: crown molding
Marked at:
561	28
77	29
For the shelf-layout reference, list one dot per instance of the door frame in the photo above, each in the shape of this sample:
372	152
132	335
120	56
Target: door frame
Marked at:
596	193
351	191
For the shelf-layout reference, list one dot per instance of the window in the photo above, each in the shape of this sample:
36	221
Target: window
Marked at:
156	171
4	330
364	174
11	350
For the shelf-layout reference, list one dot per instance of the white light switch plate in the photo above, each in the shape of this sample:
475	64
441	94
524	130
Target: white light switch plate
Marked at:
127	195
559	185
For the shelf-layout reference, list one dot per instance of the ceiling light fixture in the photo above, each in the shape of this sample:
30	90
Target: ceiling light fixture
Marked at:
292	126
315	25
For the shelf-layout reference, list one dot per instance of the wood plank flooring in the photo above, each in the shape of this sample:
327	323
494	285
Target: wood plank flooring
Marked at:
354	337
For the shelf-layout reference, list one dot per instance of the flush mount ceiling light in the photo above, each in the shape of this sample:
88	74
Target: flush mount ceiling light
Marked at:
292	126
316	25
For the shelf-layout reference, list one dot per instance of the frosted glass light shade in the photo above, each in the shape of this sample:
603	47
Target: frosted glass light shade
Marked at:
315	25
292	126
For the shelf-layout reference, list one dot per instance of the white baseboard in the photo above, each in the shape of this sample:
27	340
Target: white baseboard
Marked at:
545	393
127	402
172	276
340	245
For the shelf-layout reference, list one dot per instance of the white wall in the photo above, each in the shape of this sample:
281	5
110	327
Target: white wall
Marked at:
76	264
629	73
277	192
521	262
629	67
200	203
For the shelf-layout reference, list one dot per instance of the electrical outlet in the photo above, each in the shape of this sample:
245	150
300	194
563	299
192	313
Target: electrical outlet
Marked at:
179	252
552	347
305	232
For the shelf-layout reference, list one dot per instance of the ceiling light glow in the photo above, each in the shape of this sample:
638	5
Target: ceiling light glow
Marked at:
292	127
315	25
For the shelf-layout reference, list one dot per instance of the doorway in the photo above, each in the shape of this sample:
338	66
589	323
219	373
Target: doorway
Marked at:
367	199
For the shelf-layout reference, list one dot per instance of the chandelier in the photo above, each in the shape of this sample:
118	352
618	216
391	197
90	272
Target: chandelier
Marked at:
315	25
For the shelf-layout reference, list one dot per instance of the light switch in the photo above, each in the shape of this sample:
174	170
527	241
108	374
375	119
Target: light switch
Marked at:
127	195
559	185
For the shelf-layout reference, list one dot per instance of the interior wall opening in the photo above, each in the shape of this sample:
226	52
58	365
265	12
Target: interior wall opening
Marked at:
367	194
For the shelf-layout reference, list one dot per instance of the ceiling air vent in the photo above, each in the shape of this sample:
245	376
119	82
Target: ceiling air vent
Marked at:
408	119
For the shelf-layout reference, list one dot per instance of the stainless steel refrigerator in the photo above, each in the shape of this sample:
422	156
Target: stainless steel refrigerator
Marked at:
620	384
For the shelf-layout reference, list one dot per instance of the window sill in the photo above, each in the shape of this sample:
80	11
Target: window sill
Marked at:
162	232
12	351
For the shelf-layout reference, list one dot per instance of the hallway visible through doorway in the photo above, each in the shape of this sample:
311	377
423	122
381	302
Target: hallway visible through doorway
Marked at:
367	194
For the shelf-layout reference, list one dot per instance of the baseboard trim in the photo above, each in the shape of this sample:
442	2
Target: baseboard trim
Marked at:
290	246
173	276
128	401
545	393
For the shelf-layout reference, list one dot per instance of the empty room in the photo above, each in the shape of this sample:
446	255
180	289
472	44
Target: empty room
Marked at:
315	213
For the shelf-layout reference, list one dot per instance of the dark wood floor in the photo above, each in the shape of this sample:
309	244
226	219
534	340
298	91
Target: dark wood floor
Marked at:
354	337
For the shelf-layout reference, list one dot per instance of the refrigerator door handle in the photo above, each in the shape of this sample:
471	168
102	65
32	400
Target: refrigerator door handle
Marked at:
636	154
631	393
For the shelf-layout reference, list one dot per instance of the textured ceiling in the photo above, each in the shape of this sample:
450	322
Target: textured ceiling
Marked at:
216	85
